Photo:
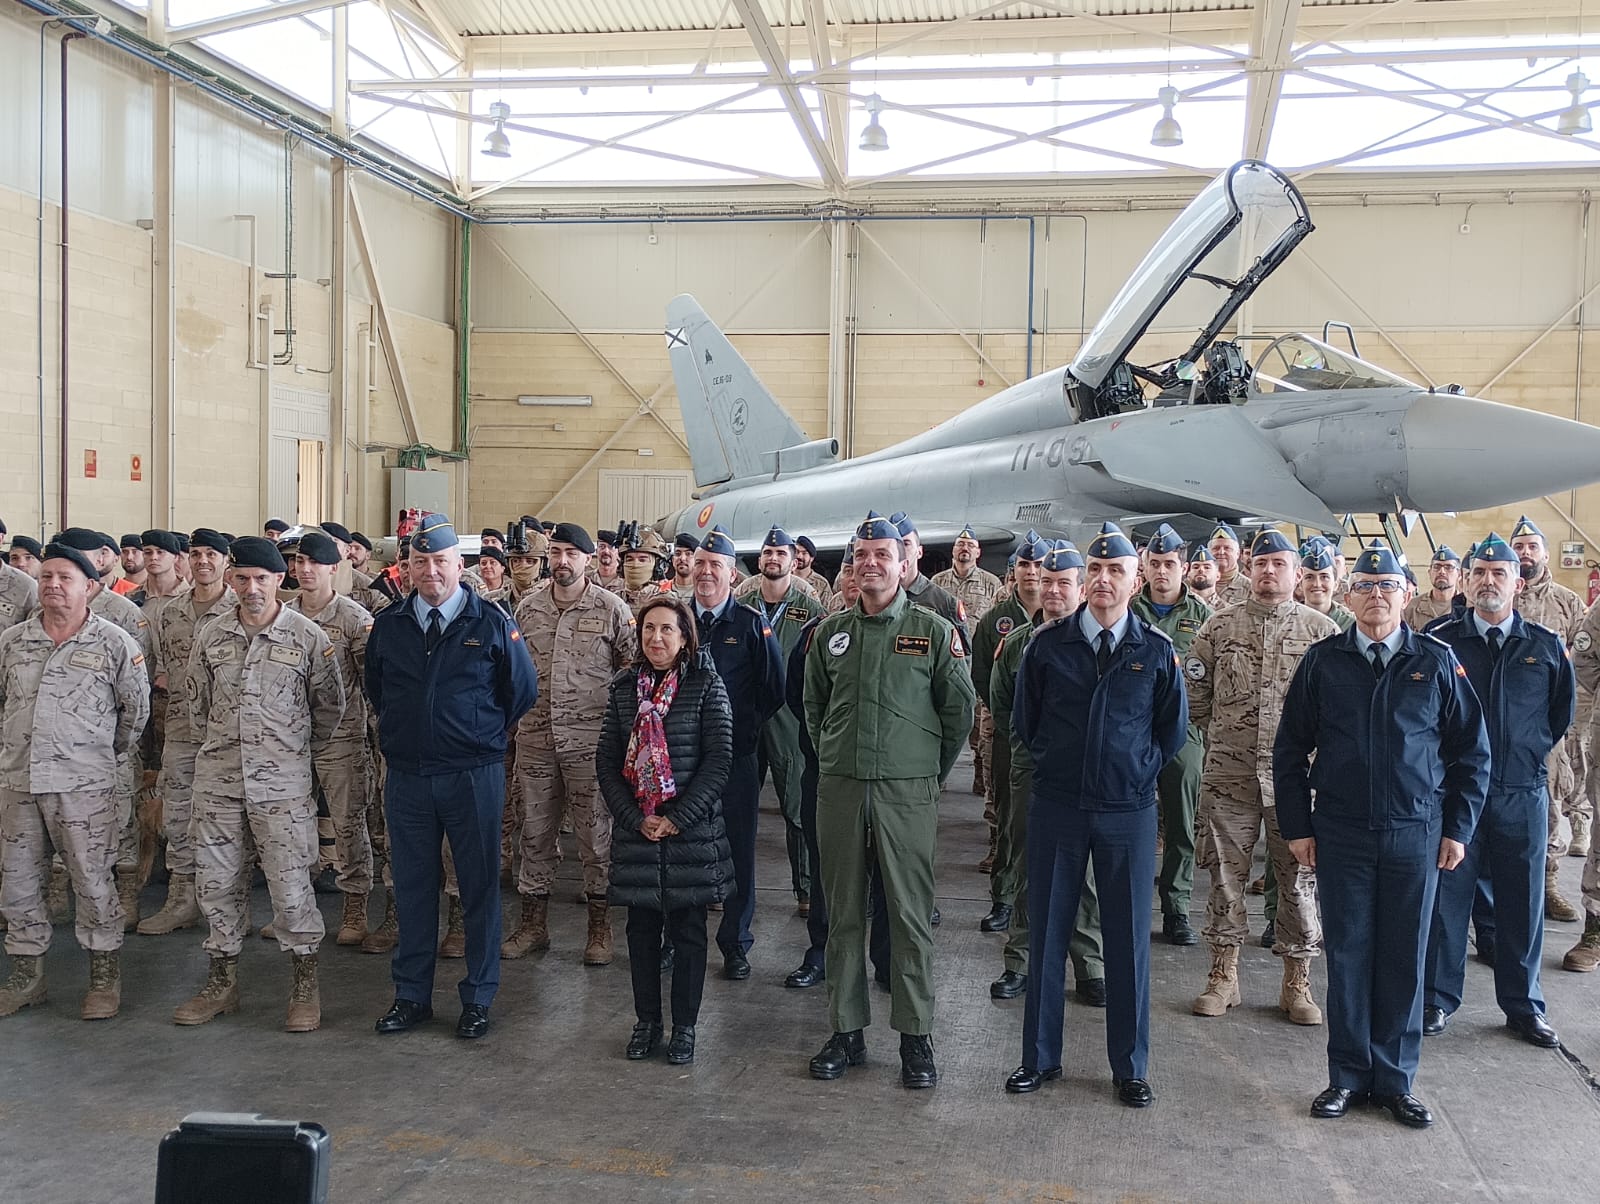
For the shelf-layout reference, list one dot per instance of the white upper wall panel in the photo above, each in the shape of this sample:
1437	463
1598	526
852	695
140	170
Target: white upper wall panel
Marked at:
414	243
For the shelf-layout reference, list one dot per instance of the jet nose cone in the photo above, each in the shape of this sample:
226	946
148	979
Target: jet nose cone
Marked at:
1463	453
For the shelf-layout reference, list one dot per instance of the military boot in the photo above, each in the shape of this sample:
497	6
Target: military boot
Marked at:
179	911
105	986
533	930
597	952
58	895
353	925
386	935
986	866
218	997
455	931
1584	957
1222	984
1556	906
1295	996
1582	826
305	999
128	895
25	987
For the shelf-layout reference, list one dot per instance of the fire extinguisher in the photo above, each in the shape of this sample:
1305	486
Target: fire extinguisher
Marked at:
1594	582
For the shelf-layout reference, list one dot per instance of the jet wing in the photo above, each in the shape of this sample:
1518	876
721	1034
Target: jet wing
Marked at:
1213	455
833	539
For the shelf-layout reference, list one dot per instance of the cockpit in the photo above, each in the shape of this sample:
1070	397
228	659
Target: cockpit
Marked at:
1295	363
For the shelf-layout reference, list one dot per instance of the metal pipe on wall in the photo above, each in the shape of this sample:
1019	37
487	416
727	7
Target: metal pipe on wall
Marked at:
65	323
44	28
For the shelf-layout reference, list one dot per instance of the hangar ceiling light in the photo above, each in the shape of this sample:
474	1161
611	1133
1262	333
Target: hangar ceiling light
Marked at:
1575	118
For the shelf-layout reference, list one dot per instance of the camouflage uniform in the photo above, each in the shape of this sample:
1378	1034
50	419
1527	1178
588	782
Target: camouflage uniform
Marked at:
173	631
19	595
1586	661
1004	615
977	592
577	650
260	708
116	609
1551	604
69	714
819	586
343	765
1238	671
1421	610
636	598
780	735
1233	592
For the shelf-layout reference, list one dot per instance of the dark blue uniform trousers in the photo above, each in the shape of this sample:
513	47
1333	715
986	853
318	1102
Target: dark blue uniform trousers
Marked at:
1062	840
1376	890
1509	849
422	810
741	803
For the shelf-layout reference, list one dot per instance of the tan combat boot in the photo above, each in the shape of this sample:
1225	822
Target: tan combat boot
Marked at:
1295	997
128	895
455	931
179	911
1222	984
104	998
25	987
353	924
58	895
386	935
533	930
986	865
597	952
218	997
1556	906
1584	957
305	998
1581	831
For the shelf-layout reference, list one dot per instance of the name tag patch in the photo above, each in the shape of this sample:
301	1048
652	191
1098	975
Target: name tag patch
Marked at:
472	643
287	656
1188	625
913	645
87	660
591	626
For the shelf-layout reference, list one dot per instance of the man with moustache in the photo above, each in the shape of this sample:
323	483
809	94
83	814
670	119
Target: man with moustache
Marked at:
976	590
1444	577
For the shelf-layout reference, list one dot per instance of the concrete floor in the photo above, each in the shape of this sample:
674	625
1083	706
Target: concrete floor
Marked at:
547	1107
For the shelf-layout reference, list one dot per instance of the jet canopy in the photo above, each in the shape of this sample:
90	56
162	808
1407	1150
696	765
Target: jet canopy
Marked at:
1295	363
1227	241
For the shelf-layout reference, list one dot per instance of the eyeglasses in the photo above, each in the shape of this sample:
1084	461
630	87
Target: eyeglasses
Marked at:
1366	587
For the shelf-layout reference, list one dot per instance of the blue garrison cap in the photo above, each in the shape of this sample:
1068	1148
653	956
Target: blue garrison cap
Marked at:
778	538
1165	541
1063	555
1493	549
849	553
1444	553
1110	528
1525	526
1226	532
1200	554
1110	544
1011	561
967	532
1269	541
1312	542
1033	549
1317	556
435	533
877	527
719	541
1378	560
903	523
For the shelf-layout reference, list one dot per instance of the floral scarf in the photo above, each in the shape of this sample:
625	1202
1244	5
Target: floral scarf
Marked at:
647	767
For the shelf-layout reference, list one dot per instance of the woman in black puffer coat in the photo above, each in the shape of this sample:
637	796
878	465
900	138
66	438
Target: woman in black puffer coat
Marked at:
665	750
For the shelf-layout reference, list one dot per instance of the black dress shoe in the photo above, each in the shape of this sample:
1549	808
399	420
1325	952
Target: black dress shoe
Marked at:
1334	1102
643	1042
1485	952
935	918
680	1050
881	977
667	958
326	883
1135	1093
1025	1079
841	1050
1177	930
916	1062
474	1021
736	966
805	976
1433	1020
998	919
1008	986
1535	1030
1091	991
402	1015
1269	935
1407	1109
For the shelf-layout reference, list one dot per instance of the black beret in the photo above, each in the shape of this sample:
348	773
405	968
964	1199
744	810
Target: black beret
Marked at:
531	523
604	536
183	540
275	525
575	535
318	547
30	545
131	541
254	552
687	541
106	541
490	552
80	538
357	537
804	541
59	551
2	526
206	537
165	540
338	530
492	533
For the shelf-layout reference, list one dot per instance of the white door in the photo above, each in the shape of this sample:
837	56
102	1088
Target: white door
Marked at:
642	494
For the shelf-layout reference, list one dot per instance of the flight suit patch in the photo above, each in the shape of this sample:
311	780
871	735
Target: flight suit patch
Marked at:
1186	626
1581	641
86	660
286	656
957	648
839	643
1004	625
1194	669
913	645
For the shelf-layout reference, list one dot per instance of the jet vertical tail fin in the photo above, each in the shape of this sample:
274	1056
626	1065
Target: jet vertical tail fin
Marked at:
734	426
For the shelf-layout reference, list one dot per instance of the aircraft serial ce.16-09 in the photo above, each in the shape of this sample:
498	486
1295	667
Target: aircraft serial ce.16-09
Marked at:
1305	435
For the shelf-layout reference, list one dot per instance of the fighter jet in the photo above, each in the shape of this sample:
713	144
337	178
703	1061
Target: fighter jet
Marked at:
1305	434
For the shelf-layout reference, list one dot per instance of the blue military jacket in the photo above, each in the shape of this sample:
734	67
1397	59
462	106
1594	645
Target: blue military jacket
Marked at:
1099	742
749	660
1390	751
448	710
1529	695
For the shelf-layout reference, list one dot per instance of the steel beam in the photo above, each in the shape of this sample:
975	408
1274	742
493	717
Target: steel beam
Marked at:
380	309
1271	45
254	16
771	54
